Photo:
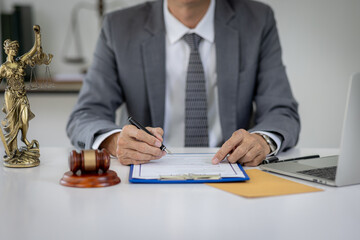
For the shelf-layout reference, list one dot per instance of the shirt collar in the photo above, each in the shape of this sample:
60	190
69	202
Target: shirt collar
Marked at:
175	30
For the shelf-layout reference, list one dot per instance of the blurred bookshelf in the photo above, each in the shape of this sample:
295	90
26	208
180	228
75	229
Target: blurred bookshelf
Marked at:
17	25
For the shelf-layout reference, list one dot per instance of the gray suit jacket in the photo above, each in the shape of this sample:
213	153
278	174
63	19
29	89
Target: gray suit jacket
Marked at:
129	67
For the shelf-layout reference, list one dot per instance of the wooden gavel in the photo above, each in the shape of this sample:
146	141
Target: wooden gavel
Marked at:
89	161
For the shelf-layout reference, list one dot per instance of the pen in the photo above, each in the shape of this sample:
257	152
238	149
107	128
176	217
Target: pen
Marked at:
139	126
274	159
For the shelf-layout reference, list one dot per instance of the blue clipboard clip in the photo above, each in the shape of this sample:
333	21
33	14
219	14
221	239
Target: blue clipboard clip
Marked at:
190	176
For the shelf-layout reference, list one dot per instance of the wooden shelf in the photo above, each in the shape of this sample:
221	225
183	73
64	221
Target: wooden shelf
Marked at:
43	86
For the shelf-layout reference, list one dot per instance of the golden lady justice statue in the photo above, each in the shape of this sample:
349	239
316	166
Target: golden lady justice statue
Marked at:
16	105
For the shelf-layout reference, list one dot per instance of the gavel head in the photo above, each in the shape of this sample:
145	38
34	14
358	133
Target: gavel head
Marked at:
89	161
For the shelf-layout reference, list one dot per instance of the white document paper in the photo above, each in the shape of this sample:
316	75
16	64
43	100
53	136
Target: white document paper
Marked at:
178	164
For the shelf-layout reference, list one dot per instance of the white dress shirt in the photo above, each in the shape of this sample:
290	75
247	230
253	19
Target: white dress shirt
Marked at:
177	59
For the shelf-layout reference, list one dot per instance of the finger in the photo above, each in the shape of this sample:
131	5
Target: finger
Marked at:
255	162
246	150
133	157
249	156
158	132
258	152
127	162
238	153
141	136
228	146
145	148
249	149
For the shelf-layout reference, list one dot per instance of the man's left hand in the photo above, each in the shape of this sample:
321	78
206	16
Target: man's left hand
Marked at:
243	147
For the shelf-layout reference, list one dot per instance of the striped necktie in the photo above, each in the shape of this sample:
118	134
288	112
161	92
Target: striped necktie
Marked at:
196	123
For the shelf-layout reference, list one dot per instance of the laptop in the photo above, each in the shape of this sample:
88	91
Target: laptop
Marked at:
339	170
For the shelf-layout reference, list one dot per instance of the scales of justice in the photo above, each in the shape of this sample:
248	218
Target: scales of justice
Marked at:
16	105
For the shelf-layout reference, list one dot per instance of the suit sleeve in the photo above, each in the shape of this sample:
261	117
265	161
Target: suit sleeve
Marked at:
100	96
276	108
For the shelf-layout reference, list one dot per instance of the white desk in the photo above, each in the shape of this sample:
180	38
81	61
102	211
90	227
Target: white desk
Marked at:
33	205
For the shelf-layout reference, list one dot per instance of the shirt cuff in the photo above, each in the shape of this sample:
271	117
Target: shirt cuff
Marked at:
275	137
99	139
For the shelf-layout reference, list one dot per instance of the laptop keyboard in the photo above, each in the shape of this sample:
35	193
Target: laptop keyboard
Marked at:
327	173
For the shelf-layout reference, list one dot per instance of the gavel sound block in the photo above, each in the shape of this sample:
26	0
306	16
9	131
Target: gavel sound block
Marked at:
88	169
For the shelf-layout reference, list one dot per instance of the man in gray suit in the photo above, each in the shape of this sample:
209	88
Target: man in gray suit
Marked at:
142	59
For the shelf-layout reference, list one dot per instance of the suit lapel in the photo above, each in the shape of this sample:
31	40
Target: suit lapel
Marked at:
227	62
153	54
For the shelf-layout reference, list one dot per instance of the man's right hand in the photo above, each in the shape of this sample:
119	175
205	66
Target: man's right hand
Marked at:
135	146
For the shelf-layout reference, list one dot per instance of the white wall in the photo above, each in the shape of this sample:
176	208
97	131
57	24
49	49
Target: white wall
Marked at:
321	49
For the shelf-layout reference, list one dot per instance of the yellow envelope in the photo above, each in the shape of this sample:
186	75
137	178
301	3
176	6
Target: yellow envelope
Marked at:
262	184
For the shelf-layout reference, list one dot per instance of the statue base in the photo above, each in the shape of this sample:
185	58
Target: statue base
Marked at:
24	158
90	180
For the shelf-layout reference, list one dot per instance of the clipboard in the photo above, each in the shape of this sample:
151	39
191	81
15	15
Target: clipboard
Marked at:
189	177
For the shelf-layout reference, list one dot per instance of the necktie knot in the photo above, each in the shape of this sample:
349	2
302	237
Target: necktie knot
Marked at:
193	40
